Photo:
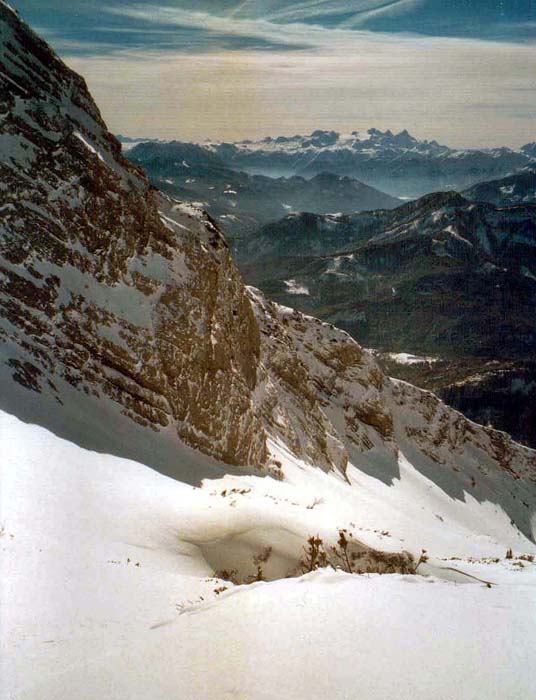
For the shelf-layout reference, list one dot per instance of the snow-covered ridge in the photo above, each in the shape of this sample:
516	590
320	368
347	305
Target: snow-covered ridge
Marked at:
405	358
371	142
398	164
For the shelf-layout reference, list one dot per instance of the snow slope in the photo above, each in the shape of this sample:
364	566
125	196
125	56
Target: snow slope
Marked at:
107	588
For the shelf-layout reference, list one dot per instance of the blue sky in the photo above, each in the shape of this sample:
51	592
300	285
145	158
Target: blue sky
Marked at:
457	70
97	24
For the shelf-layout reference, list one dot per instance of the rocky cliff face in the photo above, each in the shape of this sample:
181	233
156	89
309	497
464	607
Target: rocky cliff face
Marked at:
106	285
127	328
376	419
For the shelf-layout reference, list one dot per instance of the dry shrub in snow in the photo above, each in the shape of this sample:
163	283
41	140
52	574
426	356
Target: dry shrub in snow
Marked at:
315	555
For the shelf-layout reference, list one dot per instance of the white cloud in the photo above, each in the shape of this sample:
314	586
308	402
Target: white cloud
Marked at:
359	11
464	93
292	34
245	28
390	9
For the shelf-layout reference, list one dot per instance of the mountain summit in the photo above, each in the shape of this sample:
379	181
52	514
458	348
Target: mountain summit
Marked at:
398	164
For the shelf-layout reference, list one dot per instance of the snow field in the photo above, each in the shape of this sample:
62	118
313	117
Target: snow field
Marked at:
108	587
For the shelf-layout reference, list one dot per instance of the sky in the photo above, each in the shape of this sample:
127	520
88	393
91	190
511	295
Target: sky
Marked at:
459	71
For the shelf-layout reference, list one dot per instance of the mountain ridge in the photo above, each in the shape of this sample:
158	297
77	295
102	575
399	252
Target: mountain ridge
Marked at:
398	164
242	202
519	188
390	278
123	309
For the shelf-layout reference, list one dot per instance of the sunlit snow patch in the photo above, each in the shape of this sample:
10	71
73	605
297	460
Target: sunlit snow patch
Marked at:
294	287
90	148
405	358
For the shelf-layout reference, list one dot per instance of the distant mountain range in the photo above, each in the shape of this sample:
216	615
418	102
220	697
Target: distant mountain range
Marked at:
242	202
398	164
